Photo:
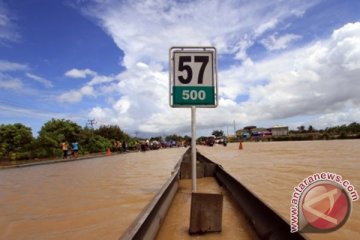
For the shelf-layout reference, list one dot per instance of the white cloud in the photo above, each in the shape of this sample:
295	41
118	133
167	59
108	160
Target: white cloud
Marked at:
123	105
266	26
137	25
105	116
7	25
100	114
6	66
11	80
104	86
243	45
9	111
74	96
346	46
351	114
10	83
80	73
274	42
145	30
101	80
7	81
43	81
313	80
319	80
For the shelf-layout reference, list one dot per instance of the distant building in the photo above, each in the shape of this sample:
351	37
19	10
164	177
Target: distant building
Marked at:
249	128
280	130
255	133
243	134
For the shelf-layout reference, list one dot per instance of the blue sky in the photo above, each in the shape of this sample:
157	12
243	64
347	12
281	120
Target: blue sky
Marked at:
279	62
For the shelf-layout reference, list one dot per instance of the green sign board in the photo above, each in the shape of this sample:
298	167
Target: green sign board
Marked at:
193	95
193	79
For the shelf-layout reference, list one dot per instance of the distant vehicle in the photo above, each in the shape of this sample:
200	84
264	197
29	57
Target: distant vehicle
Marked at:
155	145
210	141
164	144
223	140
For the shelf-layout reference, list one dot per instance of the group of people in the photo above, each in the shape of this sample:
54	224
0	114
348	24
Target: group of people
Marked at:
74	149
120	147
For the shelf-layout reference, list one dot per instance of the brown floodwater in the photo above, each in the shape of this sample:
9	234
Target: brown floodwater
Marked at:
88	199
99	198
272	169
177	221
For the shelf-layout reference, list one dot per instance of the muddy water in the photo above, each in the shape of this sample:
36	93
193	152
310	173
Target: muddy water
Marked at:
88	199
177	221
99	198
272	169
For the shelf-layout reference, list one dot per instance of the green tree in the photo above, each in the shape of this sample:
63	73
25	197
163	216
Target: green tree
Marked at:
53	132
218	133
353	128
311	129
159	139
187	139
16	141
301	128
90	142
112	132
173	137
201	139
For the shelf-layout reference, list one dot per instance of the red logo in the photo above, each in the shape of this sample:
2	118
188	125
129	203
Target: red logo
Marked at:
325	207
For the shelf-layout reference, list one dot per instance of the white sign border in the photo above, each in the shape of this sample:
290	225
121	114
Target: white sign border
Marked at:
172	77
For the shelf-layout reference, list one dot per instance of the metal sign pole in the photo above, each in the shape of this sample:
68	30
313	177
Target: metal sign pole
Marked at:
193	147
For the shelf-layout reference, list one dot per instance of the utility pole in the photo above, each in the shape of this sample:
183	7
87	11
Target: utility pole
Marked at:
234	129
92	122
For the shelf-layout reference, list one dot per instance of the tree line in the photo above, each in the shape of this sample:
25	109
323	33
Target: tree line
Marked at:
349	131
17	141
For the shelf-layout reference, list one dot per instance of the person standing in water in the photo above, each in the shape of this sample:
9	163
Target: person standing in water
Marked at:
75	149
64	147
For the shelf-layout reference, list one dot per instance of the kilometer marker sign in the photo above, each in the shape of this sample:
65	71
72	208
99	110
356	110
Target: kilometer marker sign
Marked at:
193	83
193	77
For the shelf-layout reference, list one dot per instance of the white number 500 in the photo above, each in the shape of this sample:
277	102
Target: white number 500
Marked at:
193	95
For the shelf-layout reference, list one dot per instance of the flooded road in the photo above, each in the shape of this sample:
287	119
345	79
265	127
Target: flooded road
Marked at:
99	198
88	199
272	169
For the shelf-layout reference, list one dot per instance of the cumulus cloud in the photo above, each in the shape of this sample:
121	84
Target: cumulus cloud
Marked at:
321	78
80	73
145	30
99	79
318	80
144	92
74	96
